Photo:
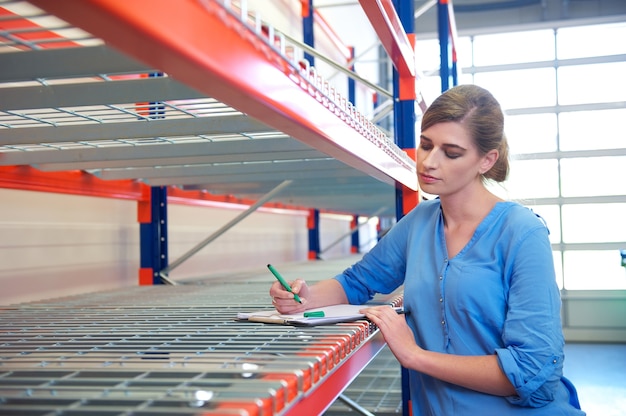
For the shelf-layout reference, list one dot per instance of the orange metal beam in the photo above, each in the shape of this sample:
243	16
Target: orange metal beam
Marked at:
206	47
382	14
410	198
74	182
399	45
78	182
338	379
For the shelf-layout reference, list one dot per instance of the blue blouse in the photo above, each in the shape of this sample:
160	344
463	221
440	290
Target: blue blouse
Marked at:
498	295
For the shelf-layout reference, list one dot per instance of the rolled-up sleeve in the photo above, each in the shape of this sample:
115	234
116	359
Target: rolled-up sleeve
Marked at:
535	389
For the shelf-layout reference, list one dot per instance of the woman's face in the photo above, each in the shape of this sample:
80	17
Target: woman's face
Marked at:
448	160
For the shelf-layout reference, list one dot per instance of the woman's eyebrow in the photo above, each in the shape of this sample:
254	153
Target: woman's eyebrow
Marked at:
446	145
453	146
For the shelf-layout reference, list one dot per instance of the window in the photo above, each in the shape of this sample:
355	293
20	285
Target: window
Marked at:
588	130
597	83
523	88
514	48
594	176
593	270
590	41
531	133
529	179
594	223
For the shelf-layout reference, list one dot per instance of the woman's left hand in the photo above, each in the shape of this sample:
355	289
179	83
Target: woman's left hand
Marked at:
396	331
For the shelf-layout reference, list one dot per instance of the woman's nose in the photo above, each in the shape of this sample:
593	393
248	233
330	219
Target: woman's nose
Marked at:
429	159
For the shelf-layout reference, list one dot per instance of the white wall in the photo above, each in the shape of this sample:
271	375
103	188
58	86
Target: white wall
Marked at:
261	238
55	245
332	229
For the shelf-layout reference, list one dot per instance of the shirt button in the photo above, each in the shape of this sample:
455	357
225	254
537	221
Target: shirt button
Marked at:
440	299
443	322
440	277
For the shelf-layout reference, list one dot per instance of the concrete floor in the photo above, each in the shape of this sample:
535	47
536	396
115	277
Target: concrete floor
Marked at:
599	373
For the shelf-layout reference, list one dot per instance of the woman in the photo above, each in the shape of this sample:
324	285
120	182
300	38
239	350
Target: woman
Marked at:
483	334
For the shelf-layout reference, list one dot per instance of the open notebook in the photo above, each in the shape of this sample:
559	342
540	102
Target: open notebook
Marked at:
332	315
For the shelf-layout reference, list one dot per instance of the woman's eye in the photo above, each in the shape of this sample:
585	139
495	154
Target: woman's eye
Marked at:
452	155
426	146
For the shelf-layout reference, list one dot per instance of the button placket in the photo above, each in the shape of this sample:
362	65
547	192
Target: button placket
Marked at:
442	297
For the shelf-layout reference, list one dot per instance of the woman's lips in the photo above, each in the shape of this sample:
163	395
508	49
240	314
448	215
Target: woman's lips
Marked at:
427	178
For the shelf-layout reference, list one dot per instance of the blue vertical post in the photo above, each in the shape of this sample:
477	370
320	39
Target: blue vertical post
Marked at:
153	235
157	109
351	82
445	48
307	31
403	110
355	243
313	224
404	137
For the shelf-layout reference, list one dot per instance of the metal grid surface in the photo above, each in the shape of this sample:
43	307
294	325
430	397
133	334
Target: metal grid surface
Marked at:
166	350
115	113
121	358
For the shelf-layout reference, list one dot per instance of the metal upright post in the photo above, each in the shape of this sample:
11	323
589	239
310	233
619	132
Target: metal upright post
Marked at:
313	225
447	38
309	39
404	107
153	221
153	236
404	136
307	29
354	247
351	82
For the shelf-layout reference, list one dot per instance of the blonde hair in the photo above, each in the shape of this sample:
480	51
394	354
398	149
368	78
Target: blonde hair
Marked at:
481	115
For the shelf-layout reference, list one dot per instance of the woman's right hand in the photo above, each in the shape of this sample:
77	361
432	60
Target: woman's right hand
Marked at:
284	301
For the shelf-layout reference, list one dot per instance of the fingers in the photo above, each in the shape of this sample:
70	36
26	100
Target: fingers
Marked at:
381	314
276	289
285	301
379	310
298	287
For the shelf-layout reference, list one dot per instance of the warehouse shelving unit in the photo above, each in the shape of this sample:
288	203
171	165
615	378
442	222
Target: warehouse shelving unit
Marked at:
229	117
96	92
129	100
175	350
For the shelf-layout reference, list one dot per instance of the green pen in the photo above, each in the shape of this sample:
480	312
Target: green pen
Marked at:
314	314
283	282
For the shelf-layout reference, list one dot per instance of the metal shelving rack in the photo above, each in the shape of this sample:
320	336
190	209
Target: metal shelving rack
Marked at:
137	91
234	116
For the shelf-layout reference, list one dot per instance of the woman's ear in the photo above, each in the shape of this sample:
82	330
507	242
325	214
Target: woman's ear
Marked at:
488	161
